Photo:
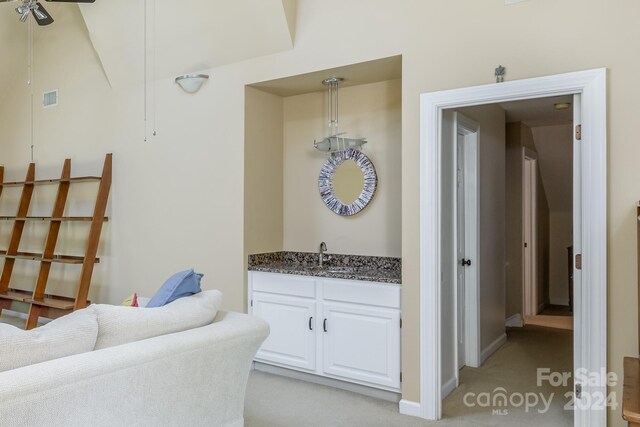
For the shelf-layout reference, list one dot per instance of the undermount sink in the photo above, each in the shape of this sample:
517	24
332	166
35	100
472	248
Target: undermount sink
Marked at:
334	269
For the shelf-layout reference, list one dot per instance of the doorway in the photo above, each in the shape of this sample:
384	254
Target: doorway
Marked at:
589	220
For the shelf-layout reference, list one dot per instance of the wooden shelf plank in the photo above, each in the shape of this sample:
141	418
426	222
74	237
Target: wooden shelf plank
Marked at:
16	295
47	218
51	181
60	259
51	301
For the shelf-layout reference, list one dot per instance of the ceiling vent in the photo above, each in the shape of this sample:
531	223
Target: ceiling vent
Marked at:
50	98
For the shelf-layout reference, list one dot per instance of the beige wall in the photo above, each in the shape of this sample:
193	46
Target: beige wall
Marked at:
560	238
80	128
373	111
178	199
263	166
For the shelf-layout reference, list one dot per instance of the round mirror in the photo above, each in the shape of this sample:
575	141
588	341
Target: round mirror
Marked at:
347	182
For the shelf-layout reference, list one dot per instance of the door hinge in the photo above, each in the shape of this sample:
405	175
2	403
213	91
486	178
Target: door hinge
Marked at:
578	391
251	303
579	262
400	376
401	323
579	132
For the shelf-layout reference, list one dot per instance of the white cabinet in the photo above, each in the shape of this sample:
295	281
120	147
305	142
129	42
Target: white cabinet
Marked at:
361	343
292	340
343	329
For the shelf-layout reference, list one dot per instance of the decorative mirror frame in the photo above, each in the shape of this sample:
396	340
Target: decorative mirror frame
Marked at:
328	193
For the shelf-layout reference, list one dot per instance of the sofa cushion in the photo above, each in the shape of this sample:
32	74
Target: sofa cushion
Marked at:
182	284
120	325
71	334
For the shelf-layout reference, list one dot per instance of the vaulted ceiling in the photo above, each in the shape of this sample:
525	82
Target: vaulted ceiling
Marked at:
180	37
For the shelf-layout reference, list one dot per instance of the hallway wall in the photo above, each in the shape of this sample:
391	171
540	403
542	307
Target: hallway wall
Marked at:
518	136
554	145
560	238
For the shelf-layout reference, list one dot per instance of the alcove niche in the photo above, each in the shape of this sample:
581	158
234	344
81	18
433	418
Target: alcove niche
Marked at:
282	206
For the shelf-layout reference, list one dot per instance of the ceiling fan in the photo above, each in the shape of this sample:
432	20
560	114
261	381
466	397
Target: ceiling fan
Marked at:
40	14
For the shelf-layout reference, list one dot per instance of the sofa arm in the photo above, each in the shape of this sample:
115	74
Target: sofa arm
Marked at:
196	378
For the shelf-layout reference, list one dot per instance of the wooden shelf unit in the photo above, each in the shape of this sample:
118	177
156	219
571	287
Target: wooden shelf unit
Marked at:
48	218
41	303
631	383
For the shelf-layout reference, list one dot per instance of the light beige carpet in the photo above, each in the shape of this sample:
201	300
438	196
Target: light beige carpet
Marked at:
551	321
277	401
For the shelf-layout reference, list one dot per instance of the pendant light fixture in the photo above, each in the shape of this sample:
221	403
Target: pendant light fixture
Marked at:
335	142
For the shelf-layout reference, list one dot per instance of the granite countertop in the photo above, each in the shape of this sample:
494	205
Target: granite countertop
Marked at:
348	267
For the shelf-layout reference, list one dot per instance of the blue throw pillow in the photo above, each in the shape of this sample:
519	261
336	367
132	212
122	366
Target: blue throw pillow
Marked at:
179	285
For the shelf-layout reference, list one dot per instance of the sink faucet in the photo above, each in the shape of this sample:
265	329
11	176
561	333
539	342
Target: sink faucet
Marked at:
322	258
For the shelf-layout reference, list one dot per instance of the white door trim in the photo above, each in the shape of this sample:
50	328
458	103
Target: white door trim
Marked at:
471	130
593	160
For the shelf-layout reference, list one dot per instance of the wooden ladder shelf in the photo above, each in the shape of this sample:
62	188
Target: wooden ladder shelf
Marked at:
42	304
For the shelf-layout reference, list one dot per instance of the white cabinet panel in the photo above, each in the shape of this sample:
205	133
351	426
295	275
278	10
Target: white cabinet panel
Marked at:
292	340
361	343
283	284
359	292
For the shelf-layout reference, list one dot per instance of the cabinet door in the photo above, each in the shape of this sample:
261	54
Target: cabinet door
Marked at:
361	343
292	339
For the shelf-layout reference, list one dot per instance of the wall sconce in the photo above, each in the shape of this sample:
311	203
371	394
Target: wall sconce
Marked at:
191	83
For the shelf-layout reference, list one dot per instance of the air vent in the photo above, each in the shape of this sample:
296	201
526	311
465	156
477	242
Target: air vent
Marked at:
50	98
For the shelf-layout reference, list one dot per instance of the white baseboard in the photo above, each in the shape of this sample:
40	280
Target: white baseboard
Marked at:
390	396
413	409
448	387
559	301
492	348
514	321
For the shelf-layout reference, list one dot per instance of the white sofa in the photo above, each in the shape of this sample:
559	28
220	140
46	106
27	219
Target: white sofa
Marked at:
193	378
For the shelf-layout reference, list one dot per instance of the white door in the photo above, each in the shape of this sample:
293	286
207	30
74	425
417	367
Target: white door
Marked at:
529	207
460	248
361	344
292	339
466	258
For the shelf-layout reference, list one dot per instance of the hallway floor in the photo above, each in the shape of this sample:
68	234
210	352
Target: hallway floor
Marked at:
274	401
554	316
514	368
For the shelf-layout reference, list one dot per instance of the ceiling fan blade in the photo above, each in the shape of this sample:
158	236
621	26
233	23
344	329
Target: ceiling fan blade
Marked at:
41	16
72	1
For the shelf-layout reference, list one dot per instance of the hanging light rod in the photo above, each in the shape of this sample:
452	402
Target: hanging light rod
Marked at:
332	80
